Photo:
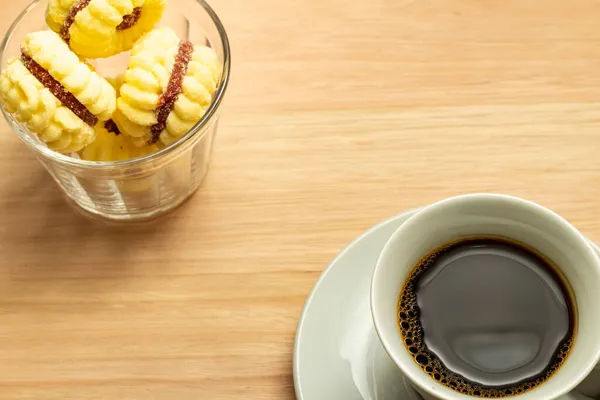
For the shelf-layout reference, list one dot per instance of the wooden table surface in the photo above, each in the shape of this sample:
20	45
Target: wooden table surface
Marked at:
339	114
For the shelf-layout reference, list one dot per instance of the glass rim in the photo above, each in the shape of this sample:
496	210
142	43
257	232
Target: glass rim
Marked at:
172	147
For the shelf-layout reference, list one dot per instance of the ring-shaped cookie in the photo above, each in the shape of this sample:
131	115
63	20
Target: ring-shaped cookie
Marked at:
168	87
103	28
110	144
55	94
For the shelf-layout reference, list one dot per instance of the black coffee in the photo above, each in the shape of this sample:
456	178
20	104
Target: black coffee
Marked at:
487	317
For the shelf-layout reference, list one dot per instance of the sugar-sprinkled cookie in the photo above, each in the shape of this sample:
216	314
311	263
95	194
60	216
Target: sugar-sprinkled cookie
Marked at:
54	93
110	144
102	28
168	87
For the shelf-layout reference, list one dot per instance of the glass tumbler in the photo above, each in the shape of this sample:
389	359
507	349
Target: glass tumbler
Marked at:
146	187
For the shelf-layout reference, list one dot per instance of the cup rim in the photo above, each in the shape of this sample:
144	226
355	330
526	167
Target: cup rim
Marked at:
408	372
134	162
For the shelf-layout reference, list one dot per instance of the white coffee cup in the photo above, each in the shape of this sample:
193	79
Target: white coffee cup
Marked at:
500	215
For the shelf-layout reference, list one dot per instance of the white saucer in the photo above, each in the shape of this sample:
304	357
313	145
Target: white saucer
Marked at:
337	355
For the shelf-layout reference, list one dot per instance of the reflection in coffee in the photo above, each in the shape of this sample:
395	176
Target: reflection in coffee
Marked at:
487	317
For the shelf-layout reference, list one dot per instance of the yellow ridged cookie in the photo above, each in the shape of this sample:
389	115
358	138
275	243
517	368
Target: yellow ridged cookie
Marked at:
149	77
103	28
32	96
110	146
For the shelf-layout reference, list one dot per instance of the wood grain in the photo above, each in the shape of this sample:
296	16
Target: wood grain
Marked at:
339	115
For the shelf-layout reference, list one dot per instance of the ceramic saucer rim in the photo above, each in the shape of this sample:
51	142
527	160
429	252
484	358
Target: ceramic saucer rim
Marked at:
315	288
